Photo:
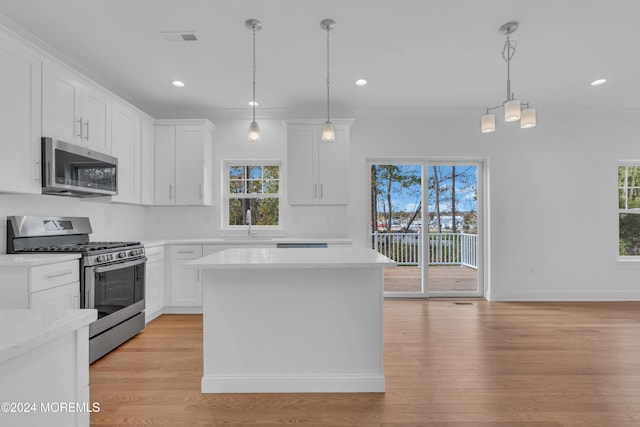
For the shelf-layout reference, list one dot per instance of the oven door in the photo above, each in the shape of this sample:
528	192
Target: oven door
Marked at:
116	291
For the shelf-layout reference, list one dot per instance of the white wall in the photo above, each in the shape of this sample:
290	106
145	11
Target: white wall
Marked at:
109	221
552	225
230	143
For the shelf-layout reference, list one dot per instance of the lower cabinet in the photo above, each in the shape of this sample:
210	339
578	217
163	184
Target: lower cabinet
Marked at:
154	282
50	286
186	283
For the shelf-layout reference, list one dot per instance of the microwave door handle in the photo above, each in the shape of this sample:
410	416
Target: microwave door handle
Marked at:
119	265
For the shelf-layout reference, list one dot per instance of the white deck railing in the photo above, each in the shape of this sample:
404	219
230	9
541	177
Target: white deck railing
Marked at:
444	248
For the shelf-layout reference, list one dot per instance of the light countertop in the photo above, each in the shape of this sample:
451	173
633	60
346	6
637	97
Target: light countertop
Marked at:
24	330
332	257
31	260
241	240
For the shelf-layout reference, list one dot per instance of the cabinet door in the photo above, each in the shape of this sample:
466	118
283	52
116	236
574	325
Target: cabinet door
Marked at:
61	101
20	132
96	119
61	297
165	166
154	288
302	165
333	158
186	285
147	162
126	148
189	165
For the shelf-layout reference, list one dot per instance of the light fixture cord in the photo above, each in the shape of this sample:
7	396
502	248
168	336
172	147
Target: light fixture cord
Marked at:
328	76
508	51
254	74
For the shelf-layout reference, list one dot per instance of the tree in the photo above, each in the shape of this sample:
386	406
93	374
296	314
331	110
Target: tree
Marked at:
385	180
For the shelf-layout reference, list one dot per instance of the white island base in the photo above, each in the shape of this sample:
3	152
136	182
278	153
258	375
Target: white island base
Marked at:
293	320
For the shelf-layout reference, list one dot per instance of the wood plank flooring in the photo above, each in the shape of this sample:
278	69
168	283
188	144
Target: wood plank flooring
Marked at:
477	364
442	278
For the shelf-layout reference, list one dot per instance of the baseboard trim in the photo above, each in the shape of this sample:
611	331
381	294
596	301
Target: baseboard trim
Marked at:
550	296
293	384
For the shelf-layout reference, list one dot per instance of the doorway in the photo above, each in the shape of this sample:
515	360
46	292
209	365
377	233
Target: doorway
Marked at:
427	216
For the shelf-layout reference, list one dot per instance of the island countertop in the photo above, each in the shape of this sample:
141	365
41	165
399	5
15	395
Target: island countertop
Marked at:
332	257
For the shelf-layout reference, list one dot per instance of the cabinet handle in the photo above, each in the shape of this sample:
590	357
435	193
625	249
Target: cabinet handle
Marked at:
170	192
321	191
37	171
87	137
80	121
60	273
315	191
185	252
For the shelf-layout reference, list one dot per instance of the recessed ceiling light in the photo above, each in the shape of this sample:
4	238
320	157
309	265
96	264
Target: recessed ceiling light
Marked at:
177	83
253	103
598	82
361	82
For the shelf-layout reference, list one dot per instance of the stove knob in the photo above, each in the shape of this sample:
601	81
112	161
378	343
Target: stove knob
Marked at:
132	253
122	254
100	258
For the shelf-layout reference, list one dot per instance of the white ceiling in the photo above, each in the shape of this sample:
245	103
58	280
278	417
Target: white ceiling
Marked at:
417	54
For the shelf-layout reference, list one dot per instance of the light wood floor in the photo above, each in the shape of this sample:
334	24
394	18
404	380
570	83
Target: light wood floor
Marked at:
481	364
442	278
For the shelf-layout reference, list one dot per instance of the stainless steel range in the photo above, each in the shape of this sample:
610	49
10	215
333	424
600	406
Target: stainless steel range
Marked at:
112	274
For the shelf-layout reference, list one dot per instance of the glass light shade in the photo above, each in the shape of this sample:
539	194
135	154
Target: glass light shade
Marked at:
254	132
512	111
328	132
528	118
488	123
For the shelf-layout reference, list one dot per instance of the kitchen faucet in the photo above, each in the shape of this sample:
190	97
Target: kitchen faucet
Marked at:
248	221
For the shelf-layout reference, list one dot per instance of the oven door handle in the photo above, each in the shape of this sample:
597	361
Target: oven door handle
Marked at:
120	265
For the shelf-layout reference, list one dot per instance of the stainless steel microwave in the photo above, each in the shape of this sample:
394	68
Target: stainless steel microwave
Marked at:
71	170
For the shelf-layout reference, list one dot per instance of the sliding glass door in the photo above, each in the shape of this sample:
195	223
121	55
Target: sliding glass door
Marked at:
425	215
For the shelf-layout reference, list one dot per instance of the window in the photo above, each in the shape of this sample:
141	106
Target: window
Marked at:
629	209
254	186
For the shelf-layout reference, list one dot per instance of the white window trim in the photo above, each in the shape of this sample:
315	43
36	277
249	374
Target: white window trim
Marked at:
226	195
625	258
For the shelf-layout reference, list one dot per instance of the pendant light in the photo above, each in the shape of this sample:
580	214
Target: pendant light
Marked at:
254	131
328	131
513	110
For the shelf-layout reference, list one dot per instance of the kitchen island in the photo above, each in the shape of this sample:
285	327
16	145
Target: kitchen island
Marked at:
293	320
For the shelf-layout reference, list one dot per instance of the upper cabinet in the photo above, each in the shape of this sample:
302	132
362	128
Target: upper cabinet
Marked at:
183	162
317	171
20	89
125	146
147	166
75	111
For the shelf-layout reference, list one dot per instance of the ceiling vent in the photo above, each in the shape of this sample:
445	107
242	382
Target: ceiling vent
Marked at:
180	36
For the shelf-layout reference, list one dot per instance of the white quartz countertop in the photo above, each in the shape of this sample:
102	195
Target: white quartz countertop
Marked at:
30	260
242	240
24	330
341	257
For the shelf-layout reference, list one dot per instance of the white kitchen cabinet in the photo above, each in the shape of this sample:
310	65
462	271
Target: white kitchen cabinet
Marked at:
44	364
125	146
147	161
20	129
317	171
74	110
186	283
154	282
55	284
184	162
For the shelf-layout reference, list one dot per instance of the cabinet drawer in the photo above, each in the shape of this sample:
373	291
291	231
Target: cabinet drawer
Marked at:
154	254
52	275
61	297
186	251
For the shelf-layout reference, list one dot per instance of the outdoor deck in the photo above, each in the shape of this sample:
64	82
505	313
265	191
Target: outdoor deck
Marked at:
441	278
